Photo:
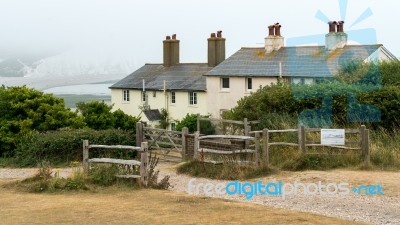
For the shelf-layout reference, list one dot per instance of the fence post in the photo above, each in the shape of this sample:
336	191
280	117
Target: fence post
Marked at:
257	149
85	161
185	131
367	158
144	163
139	134
266	147
196	145
303	140
198	122
365	143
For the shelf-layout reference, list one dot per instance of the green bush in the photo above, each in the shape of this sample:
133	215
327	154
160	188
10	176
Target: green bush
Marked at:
190	121
23	109
65	145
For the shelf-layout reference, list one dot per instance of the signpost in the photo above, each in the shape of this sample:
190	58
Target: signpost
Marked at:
332	136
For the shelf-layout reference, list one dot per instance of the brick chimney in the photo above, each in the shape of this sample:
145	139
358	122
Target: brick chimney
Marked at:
274	41
216	49
171	51
336	38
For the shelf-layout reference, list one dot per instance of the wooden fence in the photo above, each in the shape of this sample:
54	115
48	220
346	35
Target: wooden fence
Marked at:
200	152
303	144
142	164
169	144
245	123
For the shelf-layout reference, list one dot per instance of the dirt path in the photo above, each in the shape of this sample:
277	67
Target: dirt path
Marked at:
384	209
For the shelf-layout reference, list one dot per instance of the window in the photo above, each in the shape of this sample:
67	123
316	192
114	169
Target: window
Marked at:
192	98
125	95
154	94
173	97
225	82
144	96
249	83
173	126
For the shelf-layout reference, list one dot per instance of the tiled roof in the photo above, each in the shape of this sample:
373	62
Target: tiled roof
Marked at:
307	61
184	76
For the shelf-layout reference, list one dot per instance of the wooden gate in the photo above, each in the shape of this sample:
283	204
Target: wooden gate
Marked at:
166	144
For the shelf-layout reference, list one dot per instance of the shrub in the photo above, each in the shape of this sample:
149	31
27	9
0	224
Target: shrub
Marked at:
190	121
65	145
23	109
104	174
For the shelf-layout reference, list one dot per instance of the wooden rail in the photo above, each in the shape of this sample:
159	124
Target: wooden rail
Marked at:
143	163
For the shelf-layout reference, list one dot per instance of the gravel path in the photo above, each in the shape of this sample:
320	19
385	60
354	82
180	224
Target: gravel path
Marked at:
371	209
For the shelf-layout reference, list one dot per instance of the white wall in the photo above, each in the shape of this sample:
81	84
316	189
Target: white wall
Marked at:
225	99
176	111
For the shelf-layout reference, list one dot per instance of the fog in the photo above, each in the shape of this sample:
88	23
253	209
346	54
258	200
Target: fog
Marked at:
135	29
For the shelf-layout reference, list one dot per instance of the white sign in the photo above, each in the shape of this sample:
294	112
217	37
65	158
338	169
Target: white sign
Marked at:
332	136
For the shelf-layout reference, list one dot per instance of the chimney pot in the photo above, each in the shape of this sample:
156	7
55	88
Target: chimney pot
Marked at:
277	29
340	25
332	26
271	30
167	38
212	35
219	34
174	37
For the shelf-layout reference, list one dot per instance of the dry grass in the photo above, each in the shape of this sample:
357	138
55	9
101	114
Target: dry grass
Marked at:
111	206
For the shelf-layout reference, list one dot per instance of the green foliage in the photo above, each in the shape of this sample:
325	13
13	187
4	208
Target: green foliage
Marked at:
290	101
164	122
65	145
23	109
97	115
190	121
124	121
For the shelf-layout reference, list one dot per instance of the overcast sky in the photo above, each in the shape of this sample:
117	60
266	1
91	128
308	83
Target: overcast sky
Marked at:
138	27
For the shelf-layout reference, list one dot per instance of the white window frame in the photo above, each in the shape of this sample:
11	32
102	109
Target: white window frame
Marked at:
173	97
247	83
143	96
222	83
172	125
125	95
192	98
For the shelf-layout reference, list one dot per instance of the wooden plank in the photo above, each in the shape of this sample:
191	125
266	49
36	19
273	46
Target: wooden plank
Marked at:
185	131
265	147
144	166
165	137
196	145
313	129
85	161
232	161
256	131
221	120
128	176
352	131
115	147
115	161
284	144
257	150
283	131
332	146
303	140
231	152
161	130
226	137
